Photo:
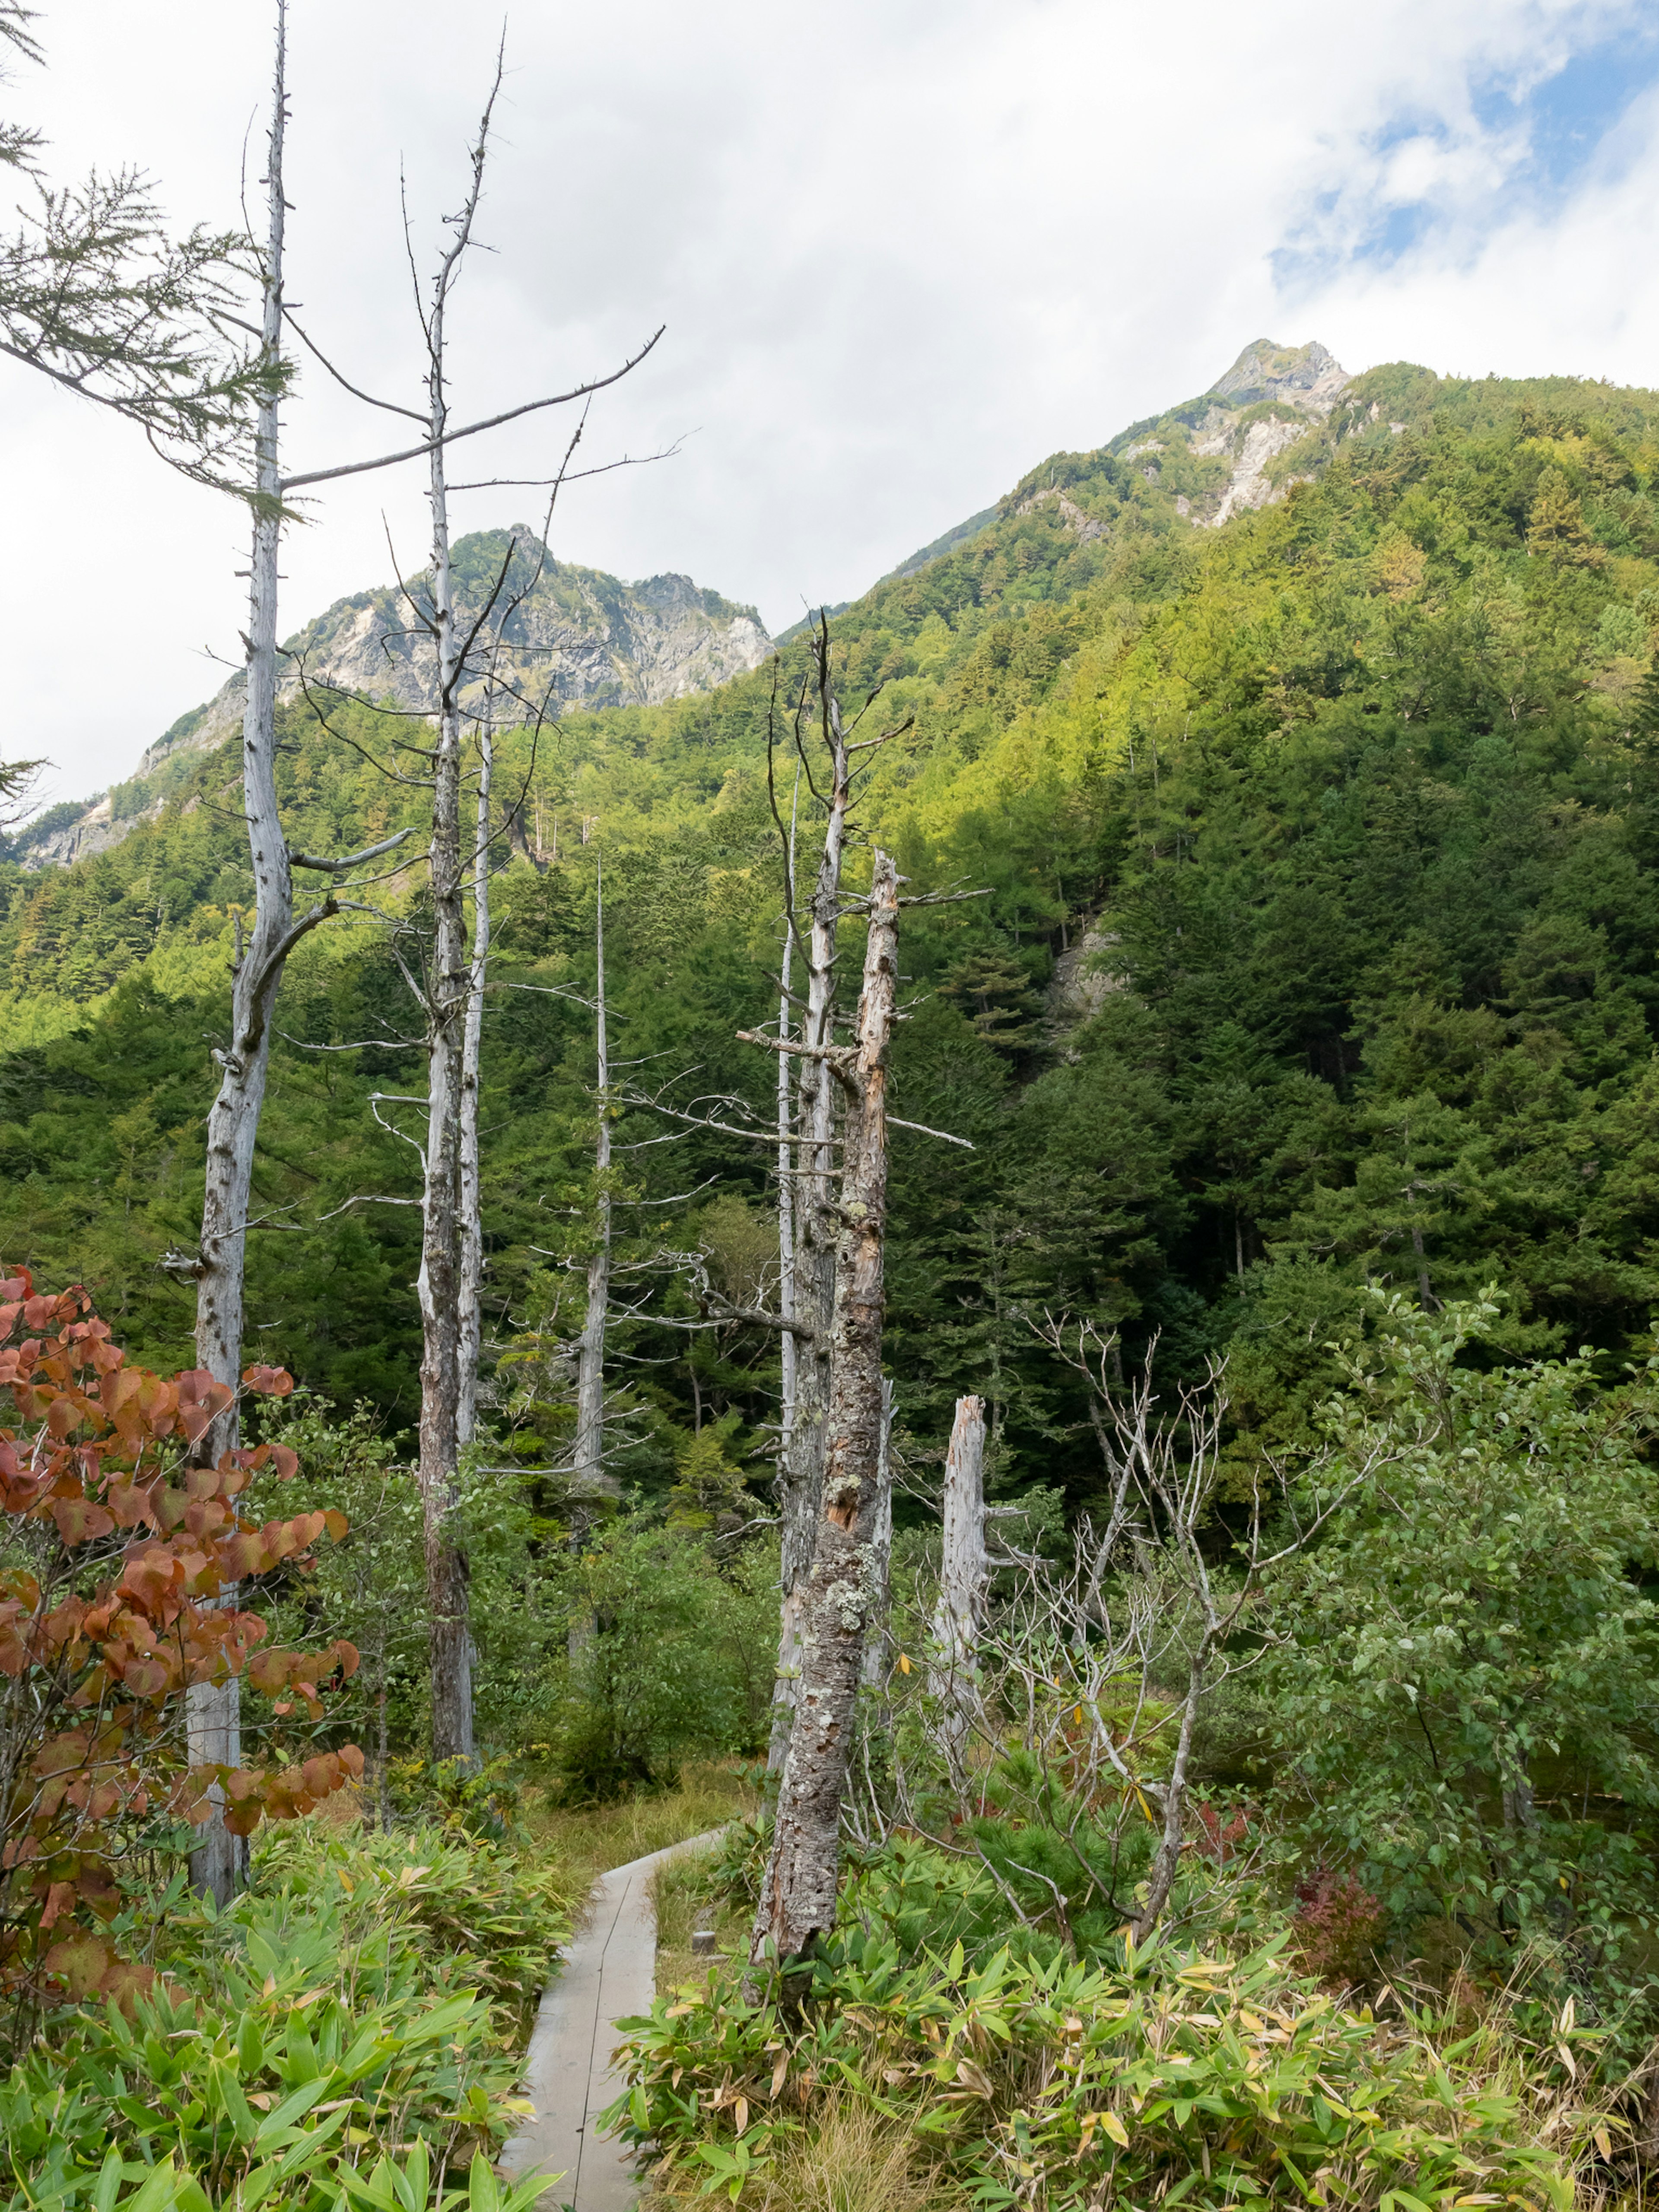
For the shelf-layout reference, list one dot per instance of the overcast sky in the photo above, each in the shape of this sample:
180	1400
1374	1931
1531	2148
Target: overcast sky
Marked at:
904	249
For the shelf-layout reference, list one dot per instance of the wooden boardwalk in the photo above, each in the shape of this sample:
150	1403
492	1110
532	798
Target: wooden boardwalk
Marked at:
608	1972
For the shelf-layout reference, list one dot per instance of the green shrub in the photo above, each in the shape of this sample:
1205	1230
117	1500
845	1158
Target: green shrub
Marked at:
367	1993
1164	2075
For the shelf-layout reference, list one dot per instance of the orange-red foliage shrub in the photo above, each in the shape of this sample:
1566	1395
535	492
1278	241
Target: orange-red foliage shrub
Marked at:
116	1557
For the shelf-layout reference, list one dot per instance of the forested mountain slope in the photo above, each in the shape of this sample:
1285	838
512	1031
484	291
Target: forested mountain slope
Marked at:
575	635
1320	947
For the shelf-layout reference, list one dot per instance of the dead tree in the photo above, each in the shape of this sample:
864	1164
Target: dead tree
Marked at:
588	1473
881	1551
448	996
812	1287
787	1356
964	1578
472	1188
218	1268
797	1898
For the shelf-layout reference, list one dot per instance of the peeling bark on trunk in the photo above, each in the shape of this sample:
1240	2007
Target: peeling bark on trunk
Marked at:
802	1465
798	1899
213	1710
787	1357
881	1551
472	1191
964	1573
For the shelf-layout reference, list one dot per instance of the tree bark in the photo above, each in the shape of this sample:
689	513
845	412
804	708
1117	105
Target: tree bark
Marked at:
213	1710
964	1573
874	1669
587	1460
802	1464
787	1356
472	1191
798	1899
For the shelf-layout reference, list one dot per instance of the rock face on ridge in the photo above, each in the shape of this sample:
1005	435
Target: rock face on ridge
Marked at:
579	638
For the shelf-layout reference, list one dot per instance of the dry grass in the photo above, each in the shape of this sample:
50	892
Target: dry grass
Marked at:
850	2159
581	1845
853	2159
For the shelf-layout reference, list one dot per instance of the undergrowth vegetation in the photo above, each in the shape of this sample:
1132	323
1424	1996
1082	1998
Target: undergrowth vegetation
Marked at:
366	1998
988	2069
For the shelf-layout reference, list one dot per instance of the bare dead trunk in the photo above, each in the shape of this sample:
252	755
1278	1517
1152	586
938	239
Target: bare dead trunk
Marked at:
587	1460
802	1464
798	1899
965	1574
787	1354
881	1551
448	990
213	1710
1166	1860
471	1193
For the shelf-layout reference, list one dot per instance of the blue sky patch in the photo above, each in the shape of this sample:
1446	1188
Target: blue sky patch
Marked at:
1546	131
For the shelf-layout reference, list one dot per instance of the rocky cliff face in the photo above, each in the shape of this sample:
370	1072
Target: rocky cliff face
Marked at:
579	638
1267	403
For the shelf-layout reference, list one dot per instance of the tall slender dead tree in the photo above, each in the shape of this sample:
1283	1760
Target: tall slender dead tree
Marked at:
471	1288
219	1268
214	1708
588	1475
801	1465
787	1356
448	999
964	1579
797	1897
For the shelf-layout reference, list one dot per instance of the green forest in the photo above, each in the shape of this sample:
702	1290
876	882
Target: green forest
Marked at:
881	1441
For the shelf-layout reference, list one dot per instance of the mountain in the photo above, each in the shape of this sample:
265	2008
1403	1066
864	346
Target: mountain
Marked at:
579	638
1313	795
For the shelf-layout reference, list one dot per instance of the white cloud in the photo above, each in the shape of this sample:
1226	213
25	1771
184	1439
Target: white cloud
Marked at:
903	251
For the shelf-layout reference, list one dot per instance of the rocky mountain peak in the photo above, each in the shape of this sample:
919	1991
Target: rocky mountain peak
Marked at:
578	637
1299	375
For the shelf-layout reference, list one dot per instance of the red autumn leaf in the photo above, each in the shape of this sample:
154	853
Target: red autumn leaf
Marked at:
268	1381
79	1520
81	1962
285	1464
60	1899
351	1759
62	1415
124	1981
322	1774
336	1523
62	1755
269	1670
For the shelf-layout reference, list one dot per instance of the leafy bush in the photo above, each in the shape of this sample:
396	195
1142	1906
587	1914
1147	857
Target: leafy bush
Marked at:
1463	1689
115	1549
367	1994
672	1658
1165	2075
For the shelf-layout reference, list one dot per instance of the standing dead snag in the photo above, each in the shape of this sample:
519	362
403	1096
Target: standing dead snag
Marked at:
472	1271
587	1459
213	1709
812	1275
964	1576
798	1899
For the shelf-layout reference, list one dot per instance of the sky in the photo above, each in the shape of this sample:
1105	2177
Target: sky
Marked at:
902	251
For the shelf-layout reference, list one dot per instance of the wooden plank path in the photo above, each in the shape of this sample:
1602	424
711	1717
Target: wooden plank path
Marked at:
608	1972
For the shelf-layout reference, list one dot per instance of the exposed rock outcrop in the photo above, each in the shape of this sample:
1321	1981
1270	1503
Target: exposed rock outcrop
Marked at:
579	638
1302	384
